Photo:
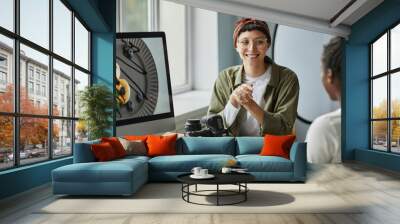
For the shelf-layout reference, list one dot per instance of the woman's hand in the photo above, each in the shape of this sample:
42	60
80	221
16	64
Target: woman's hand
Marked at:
241	95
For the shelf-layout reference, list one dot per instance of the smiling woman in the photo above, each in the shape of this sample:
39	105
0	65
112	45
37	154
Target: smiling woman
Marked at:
258	97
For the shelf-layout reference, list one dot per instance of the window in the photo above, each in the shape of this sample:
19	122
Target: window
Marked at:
7	14
30	72
3	78
81	45
3	61
37	75
169	17
173	23
385	94
34	24
38	89
43	90
7	77
30	87
3	72
45	131
135	15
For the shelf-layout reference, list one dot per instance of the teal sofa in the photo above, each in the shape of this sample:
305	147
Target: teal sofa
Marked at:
125	176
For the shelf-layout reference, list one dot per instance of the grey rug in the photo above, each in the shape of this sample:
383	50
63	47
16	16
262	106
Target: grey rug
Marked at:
166	198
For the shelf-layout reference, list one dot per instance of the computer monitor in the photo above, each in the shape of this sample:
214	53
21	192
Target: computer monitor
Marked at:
143	86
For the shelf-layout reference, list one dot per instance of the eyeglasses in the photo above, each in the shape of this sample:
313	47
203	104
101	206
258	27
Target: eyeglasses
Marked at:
259	43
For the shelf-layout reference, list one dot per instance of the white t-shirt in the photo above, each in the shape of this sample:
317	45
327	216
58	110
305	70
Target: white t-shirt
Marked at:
323	139
250	127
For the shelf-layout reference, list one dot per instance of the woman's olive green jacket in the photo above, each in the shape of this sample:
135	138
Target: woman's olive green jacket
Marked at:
281	98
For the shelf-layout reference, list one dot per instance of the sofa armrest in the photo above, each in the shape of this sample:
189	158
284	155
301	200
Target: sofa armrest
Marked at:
83	152
298	155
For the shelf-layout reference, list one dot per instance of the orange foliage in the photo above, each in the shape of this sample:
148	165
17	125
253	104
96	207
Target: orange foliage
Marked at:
33	130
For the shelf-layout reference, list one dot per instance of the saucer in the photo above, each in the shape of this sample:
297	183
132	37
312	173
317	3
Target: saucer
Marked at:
208	176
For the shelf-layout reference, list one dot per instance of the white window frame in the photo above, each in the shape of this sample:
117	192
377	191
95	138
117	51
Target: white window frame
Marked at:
155	25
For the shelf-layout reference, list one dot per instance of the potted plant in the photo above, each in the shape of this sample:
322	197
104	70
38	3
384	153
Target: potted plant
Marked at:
96	104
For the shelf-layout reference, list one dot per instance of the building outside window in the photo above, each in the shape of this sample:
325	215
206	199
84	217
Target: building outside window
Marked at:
38	89
37	74
3	72
385	92
30	72
30	87
43	90
34	72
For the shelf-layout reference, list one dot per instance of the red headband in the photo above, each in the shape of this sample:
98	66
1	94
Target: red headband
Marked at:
243	22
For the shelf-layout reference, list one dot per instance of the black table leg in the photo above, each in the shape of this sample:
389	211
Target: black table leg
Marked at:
217	194
245	193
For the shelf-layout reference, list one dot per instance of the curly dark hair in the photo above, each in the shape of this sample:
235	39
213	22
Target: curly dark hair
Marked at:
332	56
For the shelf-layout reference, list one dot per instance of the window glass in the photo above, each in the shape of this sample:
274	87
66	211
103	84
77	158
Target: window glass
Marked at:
7	14
395	95
379	98
39	62
81	81
33	139
62	91
34	21
81	45
395	47
379	56
395	136
62	29
6	74
379	135
6	142
62	138
134	15
81	131
172	22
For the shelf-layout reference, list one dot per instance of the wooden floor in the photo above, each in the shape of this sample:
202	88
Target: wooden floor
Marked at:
378	189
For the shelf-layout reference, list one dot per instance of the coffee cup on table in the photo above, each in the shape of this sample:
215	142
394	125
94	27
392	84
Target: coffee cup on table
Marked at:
203	172
226	170
196	171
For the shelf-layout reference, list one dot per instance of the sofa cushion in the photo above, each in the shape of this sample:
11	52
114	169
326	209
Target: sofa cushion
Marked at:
161	145
103	151
136	137
206	145
185	163
116	145
249	145
277	145
257	163
134	147
112	171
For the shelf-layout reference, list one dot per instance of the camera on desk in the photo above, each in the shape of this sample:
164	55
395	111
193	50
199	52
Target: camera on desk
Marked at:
213	126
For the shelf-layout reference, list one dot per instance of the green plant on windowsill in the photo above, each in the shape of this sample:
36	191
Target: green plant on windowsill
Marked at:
96	104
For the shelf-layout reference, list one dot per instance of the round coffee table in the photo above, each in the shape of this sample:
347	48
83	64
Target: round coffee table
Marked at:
238	179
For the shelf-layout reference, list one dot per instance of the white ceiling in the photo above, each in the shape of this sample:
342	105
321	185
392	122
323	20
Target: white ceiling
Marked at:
319	9
314	15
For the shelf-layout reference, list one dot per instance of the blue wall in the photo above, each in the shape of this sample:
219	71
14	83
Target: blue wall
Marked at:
99	16
356	101
227	55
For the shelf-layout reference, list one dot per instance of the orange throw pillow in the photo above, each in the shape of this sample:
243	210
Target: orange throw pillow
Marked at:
277	145
116	145
161	145
103	151
136	137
